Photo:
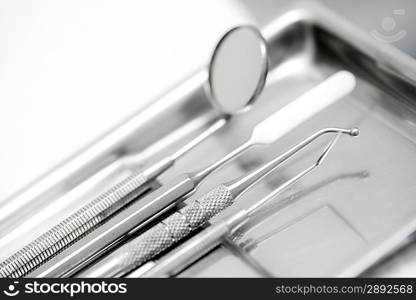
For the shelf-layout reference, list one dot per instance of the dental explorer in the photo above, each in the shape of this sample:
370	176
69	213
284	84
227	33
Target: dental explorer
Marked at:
184	221
193	249
250	46
139	213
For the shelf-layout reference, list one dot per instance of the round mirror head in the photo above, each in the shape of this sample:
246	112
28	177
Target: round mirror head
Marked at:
238	69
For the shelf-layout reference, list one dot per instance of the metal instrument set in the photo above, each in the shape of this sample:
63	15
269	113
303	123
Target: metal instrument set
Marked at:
159	221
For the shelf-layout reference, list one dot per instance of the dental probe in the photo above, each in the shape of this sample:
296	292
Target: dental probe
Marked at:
184	221
224	96
202	243
133	218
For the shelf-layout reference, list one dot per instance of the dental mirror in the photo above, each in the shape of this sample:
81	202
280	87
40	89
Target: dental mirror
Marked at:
238	69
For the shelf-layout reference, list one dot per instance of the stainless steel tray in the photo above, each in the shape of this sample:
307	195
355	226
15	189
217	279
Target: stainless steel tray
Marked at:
360	206
337	222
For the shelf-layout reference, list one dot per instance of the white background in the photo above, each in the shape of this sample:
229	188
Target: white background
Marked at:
71	70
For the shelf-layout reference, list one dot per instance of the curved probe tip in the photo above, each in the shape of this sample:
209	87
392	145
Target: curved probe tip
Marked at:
354	131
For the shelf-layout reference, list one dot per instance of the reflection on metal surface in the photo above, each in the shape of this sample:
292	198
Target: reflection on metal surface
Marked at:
208	239
381	106
94	214
180	224
227	96
238	69
400	263
305	44
242	237
265	132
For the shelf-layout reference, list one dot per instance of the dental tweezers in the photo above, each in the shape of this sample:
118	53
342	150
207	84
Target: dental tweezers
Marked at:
190	251
138	214
181	223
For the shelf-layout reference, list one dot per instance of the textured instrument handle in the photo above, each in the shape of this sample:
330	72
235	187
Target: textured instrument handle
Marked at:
194	248
170	230
74	227
188	252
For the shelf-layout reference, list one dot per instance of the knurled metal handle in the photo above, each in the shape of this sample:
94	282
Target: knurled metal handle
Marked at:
186	253
74	227
170	230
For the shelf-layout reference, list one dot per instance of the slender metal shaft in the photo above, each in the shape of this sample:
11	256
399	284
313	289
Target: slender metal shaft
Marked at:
183	222
94	244
116	230
294	179
198	139
201	244
187	253
93	214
